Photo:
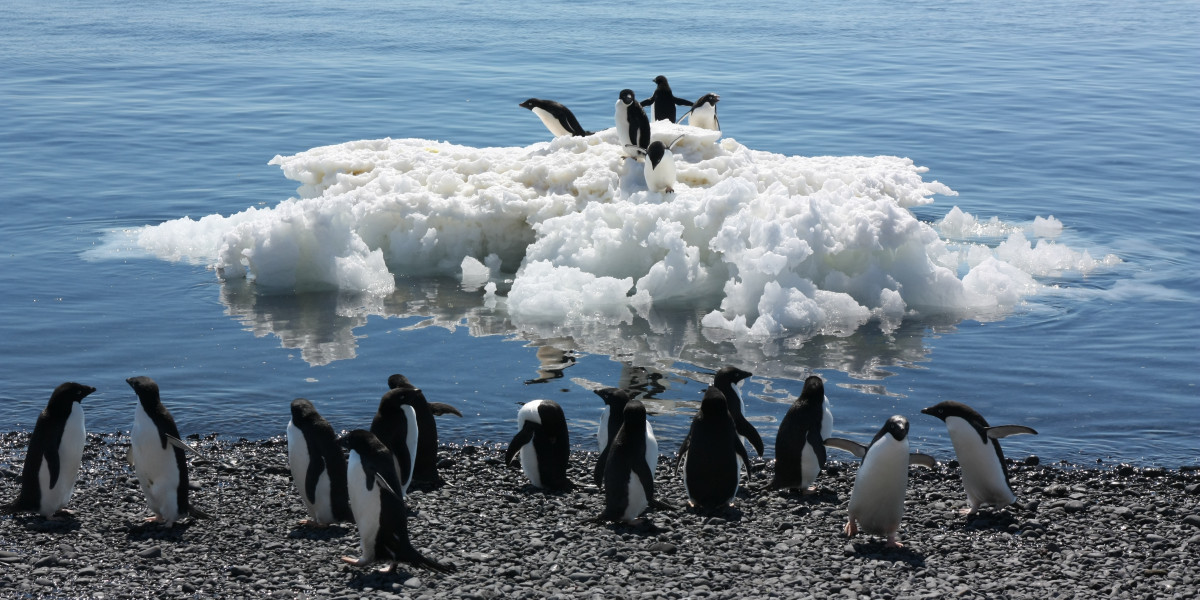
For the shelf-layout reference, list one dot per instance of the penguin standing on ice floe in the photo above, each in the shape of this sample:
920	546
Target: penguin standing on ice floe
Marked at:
395	424
632	458
800	443
710	454
633	128
378	506
703	113
664	101
611	419
425	462
318	466
158	456
660	167
877	499
977	446
54	454
556	117
543	444
725	379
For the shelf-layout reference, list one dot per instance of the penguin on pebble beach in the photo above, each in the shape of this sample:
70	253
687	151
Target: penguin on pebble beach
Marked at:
425	470
800	443
710	453
395	424
318	466
543	444
632	459
977	446
157	455
55	453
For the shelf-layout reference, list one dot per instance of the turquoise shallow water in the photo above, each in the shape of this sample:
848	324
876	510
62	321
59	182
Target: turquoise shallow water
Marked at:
120	116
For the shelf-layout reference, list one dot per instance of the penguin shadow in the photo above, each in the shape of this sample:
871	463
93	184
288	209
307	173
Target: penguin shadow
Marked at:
379	579
992	519
140	530
879	550
319	533
717	516
61	522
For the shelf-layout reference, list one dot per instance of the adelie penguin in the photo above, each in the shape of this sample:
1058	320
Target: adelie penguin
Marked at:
877	499
710	454
425	464
633	128
659	167
543	445
800	443
318	466
395	424
611	419
664	101
157	455
725	380
54	454
378	507
977	446
631	459
704	113
556	117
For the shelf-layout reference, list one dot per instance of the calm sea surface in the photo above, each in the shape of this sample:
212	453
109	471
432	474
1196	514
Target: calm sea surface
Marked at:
118	115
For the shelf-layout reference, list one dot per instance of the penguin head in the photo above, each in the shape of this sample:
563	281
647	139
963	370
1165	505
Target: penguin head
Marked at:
145	388
531	103
616	398
364	442
399	381
301	408
950	408
897	427
627	96
814	389
395	399
713	404
661	80
67	393
655	152
635	414
708	99
731	375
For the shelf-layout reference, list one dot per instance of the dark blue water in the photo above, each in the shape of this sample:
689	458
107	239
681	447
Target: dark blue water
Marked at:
119	116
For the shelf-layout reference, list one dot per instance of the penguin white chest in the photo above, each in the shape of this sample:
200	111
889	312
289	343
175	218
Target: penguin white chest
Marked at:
320	507
622	119
364	503
661	177
602	432
704	116
982	473
651	450
70	454
550	122
410	440
877	500
638	502
156	469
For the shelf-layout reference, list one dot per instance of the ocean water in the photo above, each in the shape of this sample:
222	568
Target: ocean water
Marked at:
132	122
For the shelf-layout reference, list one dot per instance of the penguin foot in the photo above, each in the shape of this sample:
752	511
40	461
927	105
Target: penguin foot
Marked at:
892	542
968	511
358	562
851	528
669	190
312	523
154	519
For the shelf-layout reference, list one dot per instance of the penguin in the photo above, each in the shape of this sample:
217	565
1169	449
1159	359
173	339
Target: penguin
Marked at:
710	454
877	498
660	168
633	128
800	443
704	113
158	457
725	380
632	459
425	464
977	446
318	466
395	424
556	117
543	444
55	452
664	101
611	419
378	506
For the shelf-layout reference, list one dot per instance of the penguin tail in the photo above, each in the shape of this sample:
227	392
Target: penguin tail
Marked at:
419	560
660	505
196	513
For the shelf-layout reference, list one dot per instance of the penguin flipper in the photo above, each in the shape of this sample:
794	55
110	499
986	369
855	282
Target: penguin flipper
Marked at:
741	450
316	465
52	463
1003	431
598	474
178	443
852	447
441	408
683	449
750	433
385	486
681	102
924	460
524	436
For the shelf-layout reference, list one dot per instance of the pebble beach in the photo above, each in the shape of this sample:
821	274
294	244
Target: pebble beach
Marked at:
1104	531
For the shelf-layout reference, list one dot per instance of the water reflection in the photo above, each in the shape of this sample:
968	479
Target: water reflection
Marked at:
655	348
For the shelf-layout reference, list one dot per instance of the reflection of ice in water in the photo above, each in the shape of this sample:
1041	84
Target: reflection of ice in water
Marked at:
318	324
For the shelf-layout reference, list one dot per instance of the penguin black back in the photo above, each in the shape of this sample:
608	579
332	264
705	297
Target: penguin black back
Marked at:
711	452
615	400
391	426
425	465
324	455
558	118
44	444
664	100
802	426
626	458
543	426
724	380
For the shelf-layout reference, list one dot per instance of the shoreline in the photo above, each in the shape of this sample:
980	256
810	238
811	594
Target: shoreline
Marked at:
1116	531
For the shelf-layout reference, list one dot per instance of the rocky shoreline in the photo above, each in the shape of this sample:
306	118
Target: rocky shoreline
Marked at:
1119	532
